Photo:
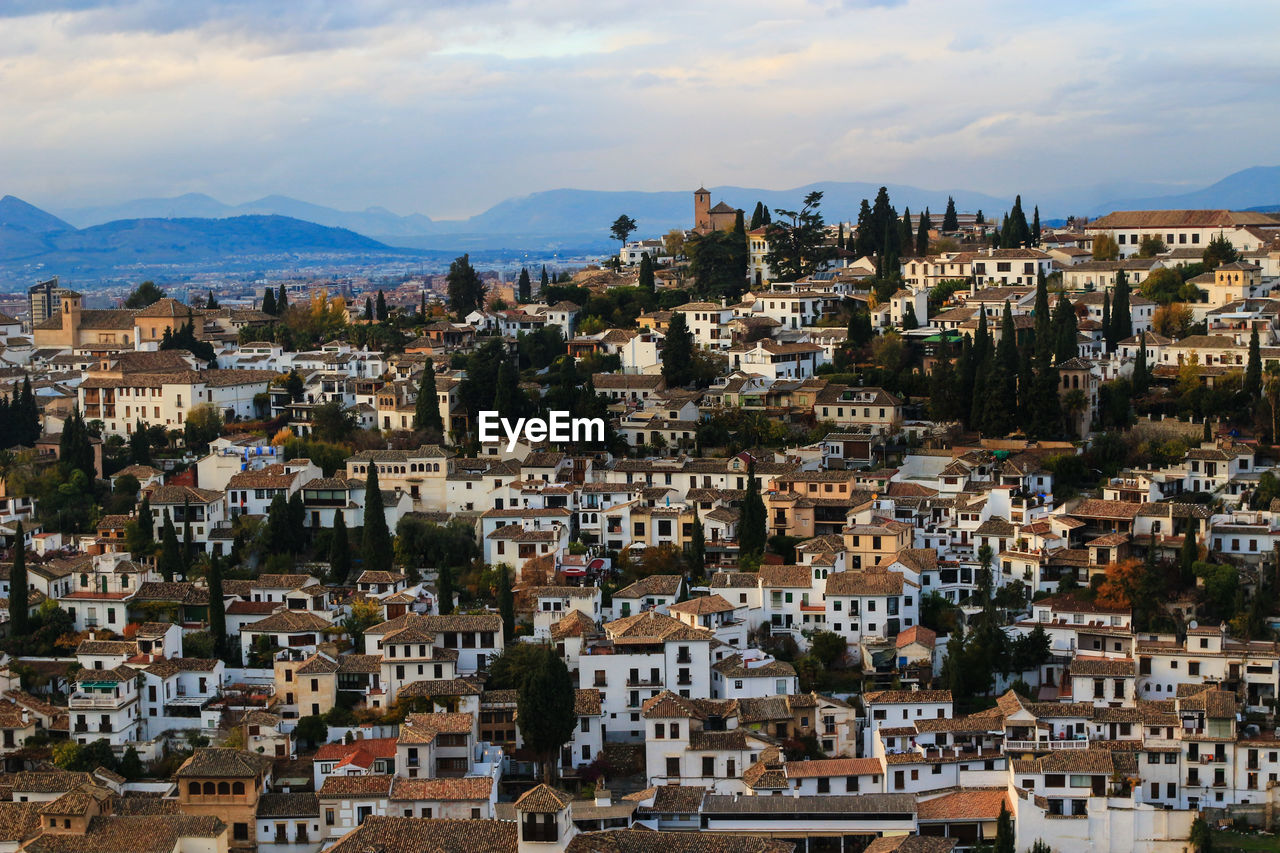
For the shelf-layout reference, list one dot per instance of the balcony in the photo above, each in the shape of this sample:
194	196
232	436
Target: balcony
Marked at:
94	700
1046	745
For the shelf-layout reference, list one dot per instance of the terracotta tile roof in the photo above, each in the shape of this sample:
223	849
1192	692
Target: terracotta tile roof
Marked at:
464	788
703	605
294	804
963	805
1102	666
542	800
19	821
917	634
870	581
423	728
356	786
218	763
648	841
132	834
377	747
834	767
905	697
414	835
652	585
574	624
587	702
287	622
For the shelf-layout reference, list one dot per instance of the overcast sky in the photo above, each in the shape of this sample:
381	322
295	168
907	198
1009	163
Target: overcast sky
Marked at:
446	107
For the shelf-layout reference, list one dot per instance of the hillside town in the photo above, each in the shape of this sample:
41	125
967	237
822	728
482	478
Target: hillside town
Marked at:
909	531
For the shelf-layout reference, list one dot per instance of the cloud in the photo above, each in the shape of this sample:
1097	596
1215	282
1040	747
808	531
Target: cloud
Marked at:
449	107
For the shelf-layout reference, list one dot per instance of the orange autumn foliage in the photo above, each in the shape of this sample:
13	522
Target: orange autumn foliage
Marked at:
1120	584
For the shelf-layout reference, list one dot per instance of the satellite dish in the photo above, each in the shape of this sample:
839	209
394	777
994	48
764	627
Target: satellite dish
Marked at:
1193	624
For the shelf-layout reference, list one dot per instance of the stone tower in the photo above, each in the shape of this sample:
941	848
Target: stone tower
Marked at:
702	209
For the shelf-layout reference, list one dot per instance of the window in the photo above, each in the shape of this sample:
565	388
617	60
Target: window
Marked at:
240	831
708	766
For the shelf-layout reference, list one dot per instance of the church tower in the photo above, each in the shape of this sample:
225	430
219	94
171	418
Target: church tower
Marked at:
702	210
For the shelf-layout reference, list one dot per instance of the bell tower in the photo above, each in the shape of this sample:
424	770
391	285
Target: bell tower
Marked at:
702	209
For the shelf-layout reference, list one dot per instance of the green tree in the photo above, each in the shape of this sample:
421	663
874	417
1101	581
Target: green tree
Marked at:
170	562
1219	251
1105	248
797	246
375	546
950	222
269	302
140	444
1151	246
717	263
19	609
922	234
506	602
622	228
1201	836
509	669
131	763
203	425
339	551
545	281
759	216
1121	314
828	647
1188	554
646	280
143	295
75	451
524	289
1066	331
444	589
752	521
217	608
677	352
909	319
1253	371
465	289
380	307
697	548
282	299
426	412
1005	839
312	730
279	533
545	709
293	385
1141	372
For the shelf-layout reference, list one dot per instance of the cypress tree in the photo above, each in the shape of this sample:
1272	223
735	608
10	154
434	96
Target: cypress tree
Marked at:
368	309
444	590
1035	227
1253	372
942	387
752	521
1045	408
757	216
507	396
1007	357
840	237
211	303
187	544
909	319
677	352
950	222
298	522
922	234
741	256
864	244
426	412
269	302
1141	373
966	371
1188	554
506	603
422	307
282	300
697	547
543	288
170	562
1108	328
524	289
339	551
1065	330
645	280
280	537
545	708
380	307
29	417
906	236
1121	314
146	527
375	548
19	613
217	608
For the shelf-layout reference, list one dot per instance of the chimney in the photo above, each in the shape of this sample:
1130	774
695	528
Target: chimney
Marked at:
603	797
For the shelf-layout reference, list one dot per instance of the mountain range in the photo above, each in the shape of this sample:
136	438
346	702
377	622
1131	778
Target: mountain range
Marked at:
560	218
196	229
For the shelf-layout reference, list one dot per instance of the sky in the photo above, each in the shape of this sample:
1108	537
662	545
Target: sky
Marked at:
446	107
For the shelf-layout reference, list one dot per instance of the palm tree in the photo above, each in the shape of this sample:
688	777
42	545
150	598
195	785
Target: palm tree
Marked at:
1073	403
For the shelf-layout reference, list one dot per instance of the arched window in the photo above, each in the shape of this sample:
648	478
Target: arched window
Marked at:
208	788
194	789
237	788
224	788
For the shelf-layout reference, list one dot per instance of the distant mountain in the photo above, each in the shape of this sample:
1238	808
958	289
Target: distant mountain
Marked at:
567	211
375	220
32	240
1258	186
